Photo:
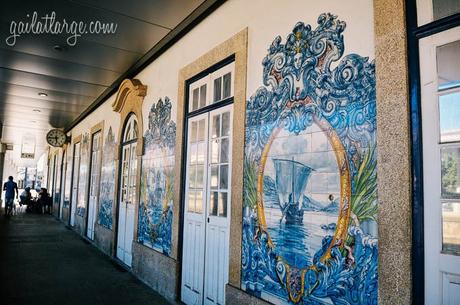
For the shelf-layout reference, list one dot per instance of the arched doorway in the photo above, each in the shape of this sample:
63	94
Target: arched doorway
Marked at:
127	190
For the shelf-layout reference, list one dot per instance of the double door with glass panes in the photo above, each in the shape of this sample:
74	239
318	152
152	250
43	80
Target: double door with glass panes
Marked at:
95	170
207	207
75	182
440	83
126	206
63	183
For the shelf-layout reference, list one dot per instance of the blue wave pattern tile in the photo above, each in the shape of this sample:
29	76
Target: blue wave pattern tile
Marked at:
157	179
83	181
107	185
310	190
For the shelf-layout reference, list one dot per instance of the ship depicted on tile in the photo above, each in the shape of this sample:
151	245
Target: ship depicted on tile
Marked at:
83	180
107	186
157	179
310	203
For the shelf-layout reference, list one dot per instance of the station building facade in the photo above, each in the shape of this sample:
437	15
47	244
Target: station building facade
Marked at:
264	157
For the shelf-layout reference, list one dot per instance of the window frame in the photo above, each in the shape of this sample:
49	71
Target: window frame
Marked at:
219	69
417	30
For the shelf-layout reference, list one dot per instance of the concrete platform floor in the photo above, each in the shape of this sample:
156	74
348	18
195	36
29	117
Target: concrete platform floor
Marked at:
44	263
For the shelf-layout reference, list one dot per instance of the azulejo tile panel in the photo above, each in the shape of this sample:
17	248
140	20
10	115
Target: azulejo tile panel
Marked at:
310	192
157	179
83	180
107	186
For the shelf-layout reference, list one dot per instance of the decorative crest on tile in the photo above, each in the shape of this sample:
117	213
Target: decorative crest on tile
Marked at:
161	131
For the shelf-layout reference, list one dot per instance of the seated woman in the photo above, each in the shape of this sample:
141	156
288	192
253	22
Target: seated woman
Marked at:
25	197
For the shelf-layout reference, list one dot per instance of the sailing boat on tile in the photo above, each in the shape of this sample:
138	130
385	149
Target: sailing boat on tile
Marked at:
291	181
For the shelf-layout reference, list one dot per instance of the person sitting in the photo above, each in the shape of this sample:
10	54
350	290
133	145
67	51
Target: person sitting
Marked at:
25	197
44	201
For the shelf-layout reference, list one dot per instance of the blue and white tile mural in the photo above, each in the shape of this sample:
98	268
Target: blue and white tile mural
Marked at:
83	180
107	186
157	179
310	192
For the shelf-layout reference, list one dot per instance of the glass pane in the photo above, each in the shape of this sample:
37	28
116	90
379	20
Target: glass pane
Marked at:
444	8
217	89
451	227
448	65
191	201
449	117
191	177
201	153
214	176
135	130
193	153
199	177
123	195
215	151
199	202
216	126
223	184
213	203
201	130
224	150
227	85
223	204
194	130
127	135
202	96
450	172
226	124
196	93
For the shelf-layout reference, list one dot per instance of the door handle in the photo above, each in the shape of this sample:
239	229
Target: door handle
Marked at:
208	219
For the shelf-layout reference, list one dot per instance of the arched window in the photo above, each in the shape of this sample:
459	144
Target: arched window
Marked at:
131	128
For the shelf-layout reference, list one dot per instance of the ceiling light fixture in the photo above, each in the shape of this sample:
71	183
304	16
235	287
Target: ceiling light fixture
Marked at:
42	94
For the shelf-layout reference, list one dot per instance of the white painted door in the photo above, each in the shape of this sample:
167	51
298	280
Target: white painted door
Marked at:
53	178
127	199
95	169
207	215
75	181
194	216
63	182
440	82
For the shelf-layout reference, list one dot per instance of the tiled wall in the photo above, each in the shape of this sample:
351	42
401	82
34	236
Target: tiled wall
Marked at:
312	104
107	184
157	179
310	192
